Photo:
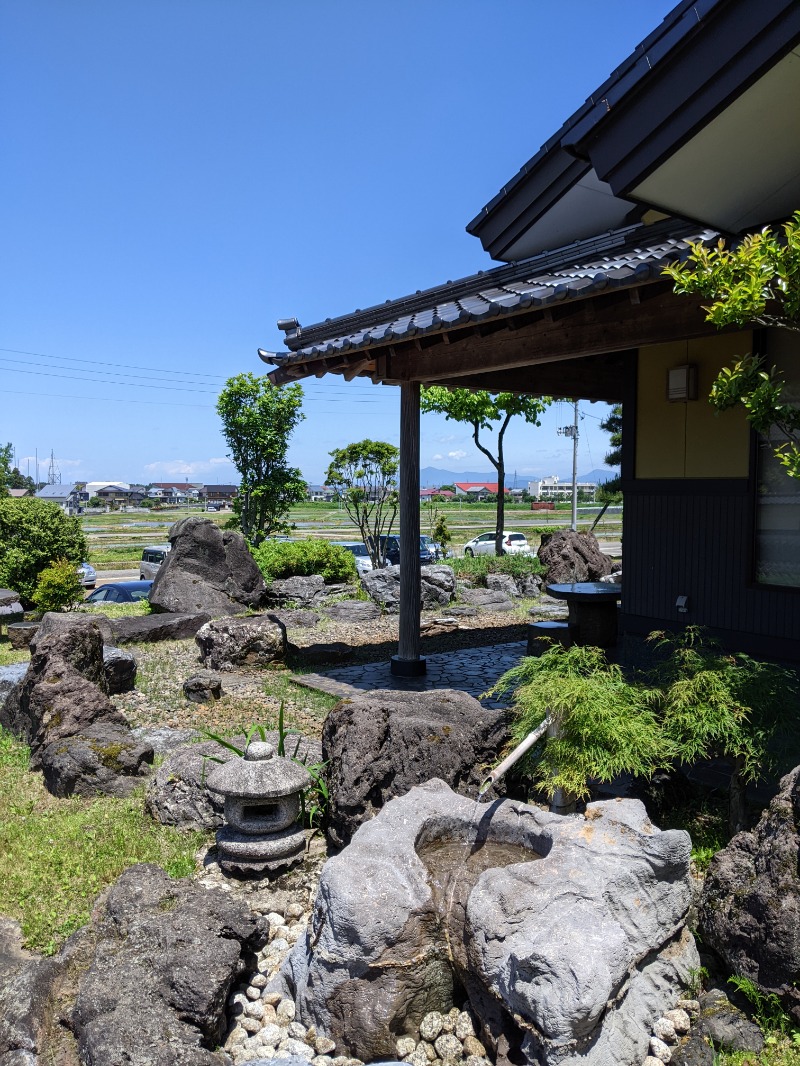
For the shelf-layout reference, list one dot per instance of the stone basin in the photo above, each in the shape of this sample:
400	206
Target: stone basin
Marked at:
566	933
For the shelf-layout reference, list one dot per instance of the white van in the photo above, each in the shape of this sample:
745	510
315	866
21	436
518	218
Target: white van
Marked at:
152	557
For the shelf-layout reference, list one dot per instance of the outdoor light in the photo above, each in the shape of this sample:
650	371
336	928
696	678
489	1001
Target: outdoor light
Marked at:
682	603
682	383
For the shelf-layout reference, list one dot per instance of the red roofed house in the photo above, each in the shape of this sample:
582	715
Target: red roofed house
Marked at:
477	490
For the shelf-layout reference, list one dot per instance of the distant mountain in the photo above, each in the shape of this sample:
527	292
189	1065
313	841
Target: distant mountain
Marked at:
433	477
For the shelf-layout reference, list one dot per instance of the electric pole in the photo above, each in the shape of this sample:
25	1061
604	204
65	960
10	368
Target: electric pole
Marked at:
572	431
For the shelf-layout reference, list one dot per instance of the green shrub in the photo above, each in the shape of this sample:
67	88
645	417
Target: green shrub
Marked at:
58	586
33	533
287	558
477	567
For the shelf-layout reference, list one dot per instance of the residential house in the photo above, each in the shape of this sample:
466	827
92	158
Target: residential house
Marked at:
219	495
426	495
477	490
692	137
70	498
320	493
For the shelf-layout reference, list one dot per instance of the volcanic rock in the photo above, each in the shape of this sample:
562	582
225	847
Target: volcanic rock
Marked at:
569	556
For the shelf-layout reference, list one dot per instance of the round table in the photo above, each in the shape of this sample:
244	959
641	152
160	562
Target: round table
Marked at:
592	610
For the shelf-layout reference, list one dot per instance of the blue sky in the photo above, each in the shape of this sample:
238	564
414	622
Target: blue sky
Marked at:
179	174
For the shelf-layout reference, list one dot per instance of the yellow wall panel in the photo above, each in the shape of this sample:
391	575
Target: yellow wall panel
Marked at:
689	439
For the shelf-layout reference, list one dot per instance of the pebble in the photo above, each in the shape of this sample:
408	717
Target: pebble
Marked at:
252	993
255	1010
272	999
650	1061
476	1060
285	1011
294	932
405	1046
275	920
464	1025
271	1035
449	1023
297	1030
691	1006
473	1047
448	1046
296	1049
295	911
429	1050
418	1057
659	1050
665	1030
431	1025
322	1060
680	1020
282	933
250	1025
324	1046
258	980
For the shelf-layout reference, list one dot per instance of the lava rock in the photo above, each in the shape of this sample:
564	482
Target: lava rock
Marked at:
380	745
203	688
80	741
302	590
120	670
168	953
750	907
728	1027
355	612
20	634
489	599
571	556
502	583
296	618
208	569
437	587
60	621
149	628
256	640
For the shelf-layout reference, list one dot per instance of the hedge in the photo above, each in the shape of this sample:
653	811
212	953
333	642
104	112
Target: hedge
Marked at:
288	558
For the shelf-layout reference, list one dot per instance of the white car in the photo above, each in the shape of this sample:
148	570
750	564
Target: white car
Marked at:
87	575
513	544
359	552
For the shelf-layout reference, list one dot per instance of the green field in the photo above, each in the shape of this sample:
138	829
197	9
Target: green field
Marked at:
116	539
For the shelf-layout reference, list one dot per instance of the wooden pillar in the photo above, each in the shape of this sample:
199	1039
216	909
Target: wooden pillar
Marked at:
407	662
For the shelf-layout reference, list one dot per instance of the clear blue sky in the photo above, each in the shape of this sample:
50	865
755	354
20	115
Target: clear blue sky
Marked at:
179	174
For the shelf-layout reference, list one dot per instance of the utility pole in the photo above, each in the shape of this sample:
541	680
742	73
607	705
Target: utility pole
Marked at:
572	431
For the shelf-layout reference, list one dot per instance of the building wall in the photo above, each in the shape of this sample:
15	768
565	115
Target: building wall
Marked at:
691	504
690	439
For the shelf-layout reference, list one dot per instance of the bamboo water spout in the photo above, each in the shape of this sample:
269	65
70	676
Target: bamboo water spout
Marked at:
502	767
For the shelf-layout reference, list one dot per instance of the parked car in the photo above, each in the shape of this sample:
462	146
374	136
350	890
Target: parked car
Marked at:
437	550
122	592
87	575
360	554
513	544
152	558
426	554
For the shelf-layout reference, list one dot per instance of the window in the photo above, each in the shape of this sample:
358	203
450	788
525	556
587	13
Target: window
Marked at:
777	521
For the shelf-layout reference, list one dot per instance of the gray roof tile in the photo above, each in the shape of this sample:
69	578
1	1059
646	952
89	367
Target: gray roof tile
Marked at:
624	257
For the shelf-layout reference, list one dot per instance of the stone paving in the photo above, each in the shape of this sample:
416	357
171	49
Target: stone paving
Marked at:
472	670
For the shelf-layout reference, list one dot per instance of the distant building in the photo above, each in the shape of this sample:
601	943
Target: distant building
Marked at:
551	488
320	493
219	495
70	498
477	490
175	491
427	494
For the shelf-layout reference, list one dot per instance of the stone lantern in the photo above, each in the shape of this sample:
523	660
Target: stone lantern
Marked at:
262	810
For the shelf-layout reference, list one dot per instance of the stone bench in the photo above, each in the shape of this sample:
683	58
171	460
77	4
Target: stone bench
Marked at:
544	633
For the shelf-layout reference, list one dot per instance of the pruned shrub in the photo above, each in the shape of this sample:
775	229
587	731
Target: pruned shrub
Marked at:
300	558
58	586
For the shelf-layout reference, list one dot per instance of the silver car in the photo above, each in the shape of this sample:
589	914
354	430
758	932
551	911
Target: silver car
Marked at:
152	558
87	575
360	554
513	544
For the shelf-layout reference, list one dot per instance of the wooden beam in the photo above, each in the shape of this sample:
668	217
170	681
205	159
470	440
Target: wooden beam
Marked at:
598	377
407	662
615	324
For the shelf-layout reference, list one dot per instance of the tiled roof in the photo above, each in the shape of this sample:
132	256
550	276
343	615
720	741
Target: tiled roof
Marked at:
624	258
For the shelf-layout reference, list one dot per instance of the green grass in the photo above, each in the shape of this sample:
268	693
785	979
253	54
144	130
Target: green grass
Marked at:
707	825
116	610
9	655
56	855
478	567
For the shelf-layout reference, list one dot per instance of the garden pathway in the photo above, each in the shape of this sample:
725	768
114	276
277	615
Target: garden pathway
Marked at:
472	670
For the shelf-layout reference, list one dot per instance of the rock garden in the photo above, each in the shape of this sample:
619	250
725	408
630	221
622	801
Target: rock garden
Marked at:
203	862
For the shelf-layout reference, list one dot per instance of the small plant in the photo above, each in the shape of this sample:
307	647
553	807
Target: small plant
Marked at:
768	1011
58	586
281	558
698	975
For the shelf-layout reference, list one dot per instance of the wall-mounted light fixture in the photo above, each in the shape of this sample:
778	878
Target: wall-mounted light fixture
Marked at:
682	604
682	383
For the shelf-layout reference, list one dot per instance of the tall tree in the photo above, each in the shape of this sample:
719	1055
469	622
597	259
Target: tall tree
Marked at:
757	281
612	424
258	419
365	477
6	452
482	411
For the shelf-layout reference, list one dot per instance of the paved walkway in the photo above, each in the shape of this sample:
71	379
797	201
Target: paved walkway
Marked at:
472	670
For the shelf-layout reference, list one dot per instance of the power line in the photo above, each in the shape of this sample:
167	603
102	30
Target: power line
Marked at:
105	373
123	366
108	399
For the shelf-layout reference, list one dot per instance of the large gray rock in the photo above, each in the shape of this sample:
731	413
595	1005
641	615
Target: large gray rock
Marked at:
437	587
256	640
567	961
11	609
750	908
10	677
149	628
168	953
208	569
78	739
380	745
504	583
571	556
488	599
177	793
301	590
58	621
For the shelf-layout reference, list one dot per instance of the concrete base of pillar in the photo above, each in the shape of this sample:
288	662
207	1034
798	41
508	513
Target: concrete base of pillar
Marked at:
408	667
